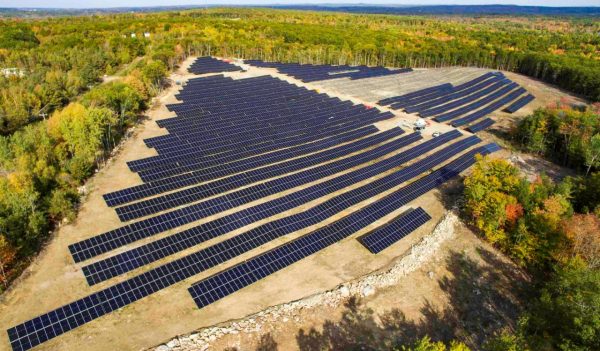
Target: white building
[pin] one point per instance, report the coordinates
(12, 72)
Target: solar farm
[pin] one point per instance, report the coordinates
(258, 168)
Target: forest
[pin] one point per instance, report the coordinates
(71, 87)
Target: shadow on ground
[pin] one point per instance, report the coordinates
(483, 293)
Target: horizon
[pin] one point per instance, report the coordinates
(62, 4)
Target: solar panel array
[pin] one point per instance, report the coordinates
(465, 103)
(164, 247)
(273, 147)
(207, 64)
(61, 320)
(397, 229)
(237, 277)
(311, 73)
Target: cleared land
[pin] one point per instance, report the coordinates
(54, 280)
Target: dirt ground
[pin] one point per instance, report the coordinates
(53, 279)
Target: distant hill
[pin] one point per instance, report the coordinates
(452, 9)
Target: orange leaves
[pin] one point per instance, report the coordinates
(514, 212)
(583, 233)
(7, 257)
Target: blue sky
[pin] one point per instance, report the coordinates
(121, 3)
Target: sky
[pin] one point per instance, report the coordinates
(124, 3)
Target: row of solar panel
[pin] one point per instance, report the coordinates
(161, 248)
(477, 98)
(144, 228)
(418, 93)
(177, 150)
(209, 64)
(209, 143)
(496, 105)
(481, 125)
(327, 127)
(59, 321)
(458, 92)
(466, 103)
(514, 107)
(446, 92)
(248, 175)
(481, 102)
(188, 165)
(237, 277)
(243, 151)
(152, 188)
(254, 113)
(394, 231)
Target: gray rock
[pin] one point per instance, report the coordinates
(173, 343)
(368, 290)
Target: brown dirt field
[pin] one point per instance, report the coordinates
(53, 279)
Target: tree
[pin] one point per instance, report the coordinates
(119, 97)
(489, 202)
(155, 72)
(586, 192)
(7, 256)
(583, 232)
(566, 316)
(592, 155)
(425, 344)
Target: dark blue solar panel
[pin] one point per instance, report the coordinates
(209, 64)
(397, 229)
(483, 124)
(147, 227)
(515, 106)
(456, 93)
(227, 182)
(415, 94)
(488, 109)
(311, 73)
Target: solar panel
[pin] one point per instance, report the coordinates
(457, 93)
(311, 73)
(237, 277)
(209, 64)
(488, 109)
(515, 106)
(395, 230)
(421, 92)
(483, 124)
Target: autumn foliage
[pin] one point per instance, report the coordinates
(524, 219)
